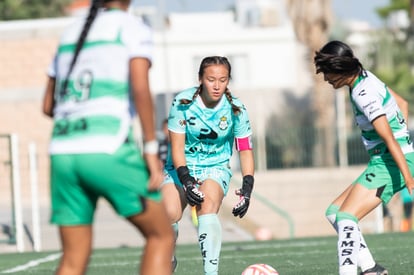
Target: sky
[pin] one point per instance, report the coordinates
(343, 9)
(359, 10)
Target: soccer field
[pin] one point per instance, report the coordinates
(309, 256)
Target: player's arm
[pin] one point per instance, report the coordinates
(142, 96)
(383, 129)
(243, 145)
(177, 149)
(402, 104)
(48, 98)
(139, 69)
(246, 162)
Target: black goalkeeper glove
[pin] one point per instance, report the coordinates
(193, 195)
(240, 209)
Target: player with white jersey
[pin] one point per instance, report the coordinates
(93, 114)
(204, 124)
(381, 114)
(368, 106)
(98, 77)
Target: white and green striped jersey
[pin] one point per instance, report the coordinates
(93, 115)
(370, 99)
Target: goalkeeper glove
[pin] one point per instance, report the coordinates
(193, 195)
(240, 209)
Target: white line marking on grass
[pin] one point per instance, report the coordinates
(262, 245)
(33, 263)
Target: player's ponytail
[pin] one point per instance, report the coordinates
(337, 57)
(93, 11)
(236, 109)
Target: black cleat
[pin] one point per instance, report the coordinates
(376, 270)
(174, 263)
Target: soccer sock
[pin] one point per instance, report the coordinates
(175, 229)
(330, 214)
(348, 243)
(209, 239)
(365, 259)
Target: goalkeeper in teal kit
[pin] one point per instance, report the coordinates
(205, 123)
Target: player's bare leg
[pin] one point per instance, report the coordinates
(174, 202)
(158, 250)
(77, 247)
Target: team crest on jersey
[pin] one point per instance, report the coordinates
(223, 124)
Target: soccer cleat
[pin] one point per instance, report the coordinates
(376, 270)
(174, 263)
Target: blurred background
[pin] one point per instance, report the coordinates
(307, 147)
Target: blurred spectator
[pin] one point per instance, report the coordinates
(164, 142)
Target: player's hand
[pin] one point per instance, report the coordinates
(240, 209)
(155, 171)
(193, 195)
(410, 185)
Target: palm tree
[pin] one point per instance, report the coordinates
(311, 21)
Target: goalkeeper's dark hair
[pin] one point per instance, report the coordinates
(93, 11)
(206, 62)
(337, 57)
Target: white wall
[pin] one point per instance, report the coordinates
(262, 58)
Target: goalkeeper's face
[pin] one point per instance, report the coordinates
(214, 83)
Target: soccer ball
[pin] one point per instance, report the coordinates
(260, 269)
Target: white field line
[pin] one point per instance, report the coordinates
(33, 263)
(264, 244)
(225, 247)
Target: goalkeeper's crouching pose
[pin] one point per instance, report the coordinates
(204, 123)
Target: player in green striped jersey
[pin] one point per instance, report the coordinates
(100, 74)
(381, 114)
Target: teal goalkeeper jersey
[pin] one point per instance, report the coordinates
(209, 132)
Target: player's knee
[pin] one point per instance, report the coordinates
(174, 213)
(331, 212)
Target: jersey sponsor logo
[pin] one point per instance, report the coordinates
(223, 124)
(201, 240)
(224, 183)
(207, 134)
(369, 176)
(374, 111)
(182, 122)
(400, 118)
(362, 93)
(369, 104)
(65, 127)
(347, 245)
(190, 121)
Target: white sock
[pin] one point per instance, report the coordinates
(348, 243)
(365, 259)
(209, 239)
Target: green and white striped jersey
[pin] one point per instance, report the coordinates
(93, 115)
(370, 99)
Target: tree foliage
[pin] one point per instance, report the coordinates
(394, 5)
(394, 61)
(30, 9)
